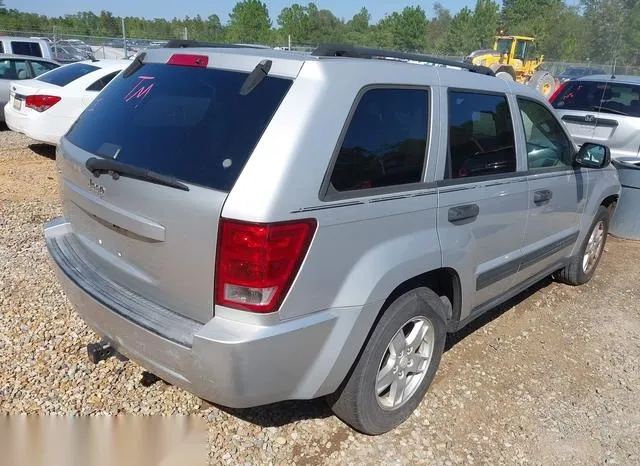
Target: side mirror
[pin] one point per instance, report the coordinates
(593, 155)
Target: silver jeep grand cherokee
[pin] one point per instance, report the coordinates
(256, 225)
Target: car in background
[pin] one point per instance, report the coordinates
(45, 108)
(77, 44)
(602, 109)
(70, 54)
(26, 46)
(20, 67)
(577, 72)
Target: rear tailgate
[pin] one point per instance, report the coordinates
(183, 122)
(606, 111)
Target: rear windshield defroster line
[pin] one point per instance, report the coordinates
(188, 123)
(67, 74)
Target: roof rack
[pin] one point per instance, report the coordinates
(182, 43)
(343, 50)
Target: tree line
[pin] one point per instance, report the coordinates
(594, 30)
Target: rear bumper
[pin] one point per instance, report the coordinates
(235, 364)
(46, 131)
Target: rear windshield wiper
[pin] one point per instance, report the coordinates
(97, 166)
(609, 110)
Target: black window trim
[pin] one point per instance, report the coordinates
(328, 193)
(567, 168)
(441, 179)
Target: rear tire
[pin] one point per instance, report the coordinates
(583, 265)
(396, 366)
(504, 75)
(544, 83)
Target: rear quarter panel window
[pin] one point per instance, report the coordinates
(386, 141)
(188, 123)
(32, 49)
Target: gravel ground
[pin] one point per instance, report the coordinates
(550, 378)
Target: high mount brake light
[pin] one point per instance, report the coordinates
(40, 103)
(256, 263)
(185, 59)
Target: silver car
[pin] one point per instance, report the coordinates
(257, 225)
(603, 109)
(19, 67)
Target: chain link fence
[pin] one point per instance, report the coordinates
(68, 48)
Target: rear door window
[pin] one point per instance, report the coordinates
(593, 96)
(481, 140)
(188, 123)
(32, 49)
(386, 142)
(41, 67)
(67, 74)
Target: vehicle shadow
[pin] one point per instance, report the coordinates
(287, 412)
(44, 150)
(283, 413)
(456, 337)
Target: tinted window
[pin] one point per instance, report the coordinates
(547, 144)
(13, 69)
(481, 140)
(26, 48)
(184, 122)
(386, 141)
(102, 82)
(1, 48)
(40, 67)
(615, 98)
(67, 74)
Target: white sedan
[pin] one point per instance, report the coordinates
(44, 108)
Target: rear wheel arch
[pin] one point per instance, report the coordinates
(445, 282)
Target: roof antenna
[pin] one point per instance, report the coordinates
(613, 72)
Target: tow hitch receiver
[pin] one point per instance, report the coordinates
(100, 351)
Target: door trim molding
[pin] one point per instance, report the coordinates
(502, 271)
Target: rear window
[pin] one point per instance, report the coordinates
(593, 96)
(67, 74)
(32, 49)
(188, 123)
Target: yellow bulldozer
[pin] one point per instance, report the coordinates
(514, 58)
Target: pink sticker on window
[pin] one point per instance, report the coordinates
(141, 89)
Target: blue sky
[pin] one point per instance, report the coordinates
(170, 9)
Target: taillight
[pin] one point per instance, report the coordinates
(256, 263)
(40, 103)
(184, 59)
(558, 91)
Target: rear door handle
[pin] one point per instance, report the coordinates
(463, 212)
(542, 197)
